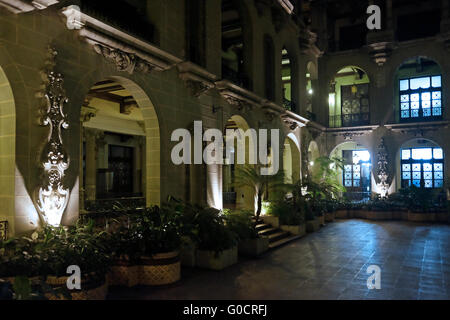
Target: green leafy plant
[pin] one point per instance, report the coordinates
(240, 222)
(250, 176)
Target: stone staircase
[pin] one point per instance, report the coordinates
(277, 237)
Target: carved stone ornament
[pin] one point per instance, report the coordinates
(51, 197)
(197, 88)
(382, 169)
(124, 61)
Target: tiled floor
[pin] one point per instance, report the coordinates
(329, 264)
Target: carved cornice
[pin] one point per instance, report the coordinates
(307, 42)
(21, 6)
(197, 79)
(418, 129)
(127, 52)
(87, 113)
(348, 133)
(380, 44)
(237, 96)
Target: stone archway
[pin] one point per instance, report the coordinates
(143, 124)
(291, 159)
(7, 152)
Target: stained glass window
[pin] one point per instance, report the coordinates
(421, 98)
(422, 167)
(356, 177)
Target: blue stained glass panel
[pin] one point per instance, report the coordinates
(437, 111)
(348, 176)
(416, 183)
(428, 183)
(356, 175)
(426, 96)
(406, 154)
(438, 183)
(404, 97)
(426, 103)
(415, 105)
(348, 183)
(414, 113)
(427, 167)
(415, 97)
(417, 83)
(406, 167)
(406, 175)
(416, 167)
(422, 154)
(404, 85)
(405, 114)
(437, 103)
(428, 175)
(438, 154)
(438, 175)
(405, 106)
(436, 81)
(436, 95)
(348, 167)
(438, 167)
(356, 168)
(416, 174)
(356, 183)
(426, 112)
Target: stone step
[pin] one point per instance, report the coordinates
(268, 231)
(278, 236)
(263, 226)
(283, 241)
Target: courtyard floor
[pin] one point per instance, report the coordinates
(329, 264)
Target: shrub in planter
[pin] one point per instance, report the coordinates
(217, 244)
(250, 243)
(159, 233)
(80, 246)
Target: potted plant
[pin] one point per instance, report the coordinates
(159, 231)
(250, 243)
(217, 244)
(82, 246)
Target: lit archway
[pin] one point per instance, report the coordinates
(348, 98)
(356, 175)
(8, 154)
(121, 145)
(291, 159)
(237, 197)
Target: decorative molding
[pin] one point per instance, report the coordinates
(124, 61)
(21, 6)
(348, 133)
(126, 51)
(51, 197)
(197, 79)
(4, 230)
(236, 96)
(307, 43)
(418, 129)
(381, 45)
(87, 113)
(382, 172)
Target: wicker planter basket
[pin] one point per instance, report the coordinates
(90, 289)
(160, 269)
(123, 273)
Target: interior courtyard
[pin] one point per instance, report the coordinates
(93, 95)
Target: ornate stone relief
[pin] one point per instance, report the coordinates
(198, 88)
(87, 113)
(124, 61)
(51, 197)
(20, 6)
(382, 173)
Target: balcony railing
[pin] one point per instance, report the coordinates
(349, 120)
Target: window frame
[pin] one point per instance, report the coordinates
(420, 91)
(412, 161)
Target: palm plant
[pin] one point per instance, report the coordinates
(250, 176)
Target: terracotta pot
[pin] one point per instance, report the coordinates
(160, 269)
(95, 288)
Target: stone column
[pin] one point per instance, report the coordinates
(87, 113)
(91, 163)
